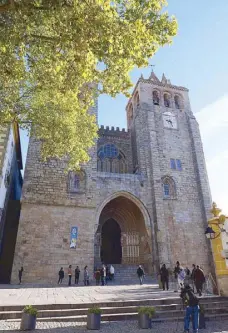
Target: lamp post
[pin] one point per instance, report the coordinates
(218, 237)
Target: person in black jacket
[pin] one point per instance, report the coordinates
(77, 274)
(20, 274)
(141, 274)
(164, 277)
(61, 275)
(192, 308)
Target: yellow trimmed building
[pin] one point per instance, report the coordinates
(218, 233)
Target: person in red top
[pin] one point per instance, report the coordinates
(199, 280)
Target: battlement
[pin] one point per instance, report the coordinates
(112, 131)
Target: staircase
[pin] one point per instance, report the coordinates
(126, 274)
(167, 309)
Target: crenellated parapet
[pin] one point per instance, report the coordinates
(113, 132)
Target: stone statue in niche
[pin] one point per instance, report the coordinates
(77, 181)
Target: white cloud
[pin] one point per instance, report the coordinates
(213, 121)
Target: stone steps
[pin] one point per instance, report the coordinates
(167, 309)
(128, 274)
(161, 311)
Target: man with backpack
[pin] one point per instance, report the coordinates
(192, 308)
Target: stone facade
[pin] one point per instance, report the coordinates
(150, 179)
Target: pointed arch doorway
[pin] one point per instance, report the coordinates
(123, 232)
(111, 250)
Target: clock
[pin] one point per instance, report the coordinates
(169, 120)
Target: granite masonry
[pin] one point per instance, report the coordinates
(144, 196)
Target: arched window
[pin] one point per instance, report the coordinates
(136, 99)
(177, 102)
(168, 188)
(155, 97)
(167, 100)
(111, 159)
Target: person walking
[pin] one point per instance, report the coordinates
(112, 273)
(103, 275)
(86, 276)
(176, 272)
(187, 279)
(164, 277)
(77, 274)
(97, 276)
(181, 277)
(61, 276)
(141, 274)
(69, 275)
(199, 280)
(192, 309)
(20, 272)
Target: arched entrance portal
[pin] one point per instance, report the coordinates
(122, 235)
(111, 251)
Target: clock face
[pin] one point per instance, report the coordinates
(169, 120)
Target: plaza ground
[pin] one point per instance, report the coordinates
(15, 295)
(32, 294)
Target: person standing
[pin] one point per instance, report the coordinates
(69, 275)
(192, 309)
(77, 274)
(181, 277)
(20, 272)
(97, 276)
(199, 280)
(193, 276)
(112, 272)
(164, 277)
(86, 276)
(141, 274)
(103, 275)
(61, 276)
(176, 272)
(107, 274)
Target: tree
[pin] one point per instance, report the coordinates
(52, 50)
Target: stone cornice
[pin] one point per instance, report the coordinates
(160, 84)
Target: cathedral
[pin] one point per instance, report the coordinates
(143, 198)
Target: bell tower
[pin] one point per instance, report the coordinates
(168, 153)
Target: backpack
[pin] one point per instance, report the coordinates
(190, 298)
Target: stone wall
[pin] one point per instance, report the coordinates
(43, 244)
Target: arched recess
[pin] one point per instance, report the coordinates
(135, 225)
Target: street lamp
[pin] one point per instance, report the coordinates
(210, 233)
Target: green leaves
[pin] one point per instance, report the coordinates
(51, 50)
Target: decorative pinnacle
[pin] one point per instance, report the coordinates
(215, 210)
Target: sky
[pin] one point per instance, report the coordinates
(197, 59)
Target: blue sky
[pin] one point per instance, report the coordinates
(198, 60)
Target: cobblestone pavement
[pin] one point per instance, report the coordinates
(114, 327)
(24, 295)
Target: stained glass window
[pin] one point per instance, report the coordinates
(178, 164)
(166, 190)
(172, 163)
(169, 188)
